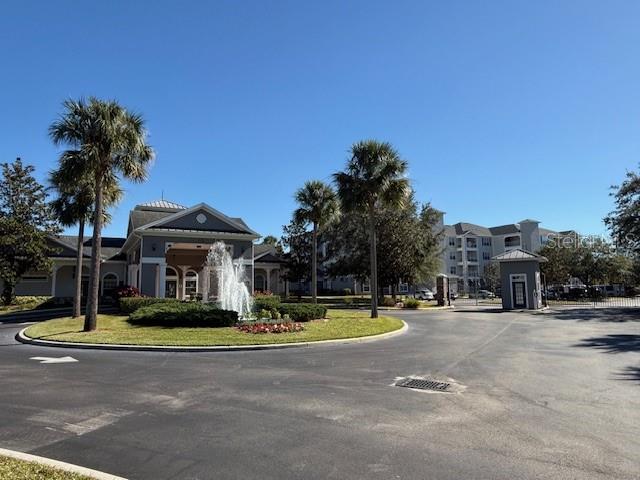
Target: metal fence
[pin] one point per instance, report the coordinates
(595, 301)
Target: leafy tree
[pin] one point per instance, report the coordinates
(274, 242)
(26, 221)
(559, 266)
(593, 261)
(317, 205)
(297, 241)
(408, 245)
(74, 205)
(491, 276)
(372, 180)
(105, 141)
(624, 220)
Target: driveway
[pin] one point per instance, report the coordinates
(553, 395)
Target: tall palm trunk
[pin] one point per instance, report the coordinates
(91, 316)
(77, 299)
(314, 264)
(373, 287)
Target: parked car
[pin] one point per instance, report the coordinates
(453, 295)
(425, 294)
(484, 294)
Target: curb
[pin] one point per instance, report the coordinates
(67, 467)
(21, 337)
(422, 310)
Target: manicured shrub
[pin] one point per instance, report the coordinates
(388, 302)
(131, 304)
(266, 302)
(179, 314)
(346, 291)
(412, 303)
(262, 314)
(303, 312)
(262, 327)
(29, 299)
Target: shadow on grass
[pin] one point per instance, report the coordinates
(40, 337)
(605, 315)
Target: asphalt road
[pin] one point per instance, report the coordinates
(553, 395)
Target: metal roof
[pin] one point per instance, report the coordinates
(519, 255)
(163, 204)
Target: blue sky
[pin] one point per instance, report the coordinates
(504, 109)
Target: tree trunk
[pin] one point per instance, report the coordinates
(393, 292)
(77, 299)
(314, 264)
(373, 280)
(91, 316)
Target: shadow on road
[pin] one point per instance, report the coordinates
(614, 315)
(614, 343)
(631, 374)
(617, 343)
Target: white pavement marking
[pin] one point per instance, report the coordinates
(54, 359)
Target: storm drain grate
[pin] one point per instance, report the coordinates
(423, 384)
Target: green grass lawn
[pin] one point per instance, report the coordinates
(116, 329)
(13, 469)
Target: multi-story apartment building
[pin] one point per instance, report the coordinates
(467, 248)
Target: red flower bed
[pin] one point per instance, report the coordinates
(127, 291)
(287, 327)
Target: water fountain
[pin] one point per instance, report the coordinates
(225, 281)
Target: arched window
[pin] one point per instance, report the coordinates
(109, 284)
(190, 283)
(171, 283)
(171, 272)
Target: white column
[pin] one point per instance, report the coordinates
(54, 271)
(183, 271)
(203, 283)
(268, 280)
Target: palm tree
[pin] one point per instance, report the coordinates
(74, 205)
(374, 178)
(317, 205)
(105, 141)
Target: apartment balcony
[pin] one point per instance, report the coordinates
(467, 262)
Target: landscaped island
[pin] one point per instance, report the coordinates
(11, 468)
(117, 329)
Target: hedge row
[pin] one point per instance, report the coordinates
(131, 304)
(176, 314)
(29, 299)
(303, 312)
(266, 302)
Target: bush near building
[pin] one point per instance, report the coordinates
(303, 312)
(270, 303)
(131, 304)
(411, 303)
(178, 314)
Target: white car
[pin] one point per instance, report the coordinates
(425, 294)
